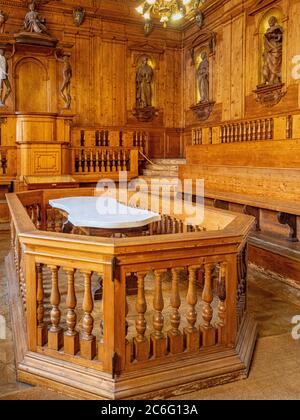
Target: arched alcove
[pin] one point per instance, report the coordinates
(151, 63)
(31, 86)
(263, 27)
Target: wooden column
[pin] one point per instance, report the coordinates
(87, 339)
(55, 334)
(41, 327)
(141, 344)
(158, 339)
(175, 338)
(208, 331)
(192, 334)
(71, 339)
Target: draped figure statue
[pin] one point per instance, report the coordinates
(272, 66)
(33, 22)
(144, 78)
(203, 78)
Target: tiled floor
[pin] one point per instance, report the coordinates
(272, 303)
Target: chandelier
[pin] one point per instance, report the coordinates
(170, 10)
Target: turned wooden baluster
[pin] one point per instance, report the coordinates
(71, 338)
(174, 335)
(270, 124)
(41, 327)
(158, 341)
(221, 290)
(191, 299)
(208, 332)
(55, 334)
(97, 163)
(87, 341)
(1, 165)
(192, 334)
(84, 167)
(102, 164)
(39, 217)
(141, 344)
(119, 167)
(259, 130)
(108, 161)
(124, 161)
(114, 162)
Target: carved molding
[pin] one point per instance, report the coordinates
(145, 114)
(269, 95)
(261, 5)
(206, 39)
(203, 110)
(145, 47)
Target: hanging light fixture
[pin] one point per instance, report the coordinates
(169, 10)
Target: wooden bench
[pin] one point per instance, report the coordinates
(261, 179)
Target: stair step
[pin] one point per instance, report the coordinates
(169, 161)
(160, 174)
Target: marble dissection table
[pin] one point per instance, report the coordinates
(103, 216)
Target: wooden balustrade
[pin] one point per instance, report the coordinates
(260, 129)
(107, 137)
(171, 317)
(89, 162)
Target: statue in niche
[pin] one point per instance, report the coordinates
(4, 80)
(3, 19)
(33, 22)
(65, 89)
(273, 39)
(203, 78)
(144, 79)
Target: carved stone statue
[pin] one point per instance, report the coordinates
(272, 66)
(144, 78)
(203, 78)
(65, 89)
(33, 22)
(4, 79)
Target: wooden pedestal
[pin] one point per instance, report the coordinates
(141, 350)
(88, 348)
(158, 346)
(175, 343)
(71, 344)
(192, 340)
(55, 339)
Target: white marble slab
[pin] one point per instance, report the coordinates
(105, 213)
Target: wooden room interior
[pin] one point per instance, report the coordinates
(163, 92)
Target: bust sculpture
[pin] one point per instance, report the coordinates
(273, 39)
(33, 22)
(144, 78)
(203, 78)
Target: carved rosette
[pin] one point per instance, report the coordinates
(269, 95)
(203, 110)
(145, 114)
